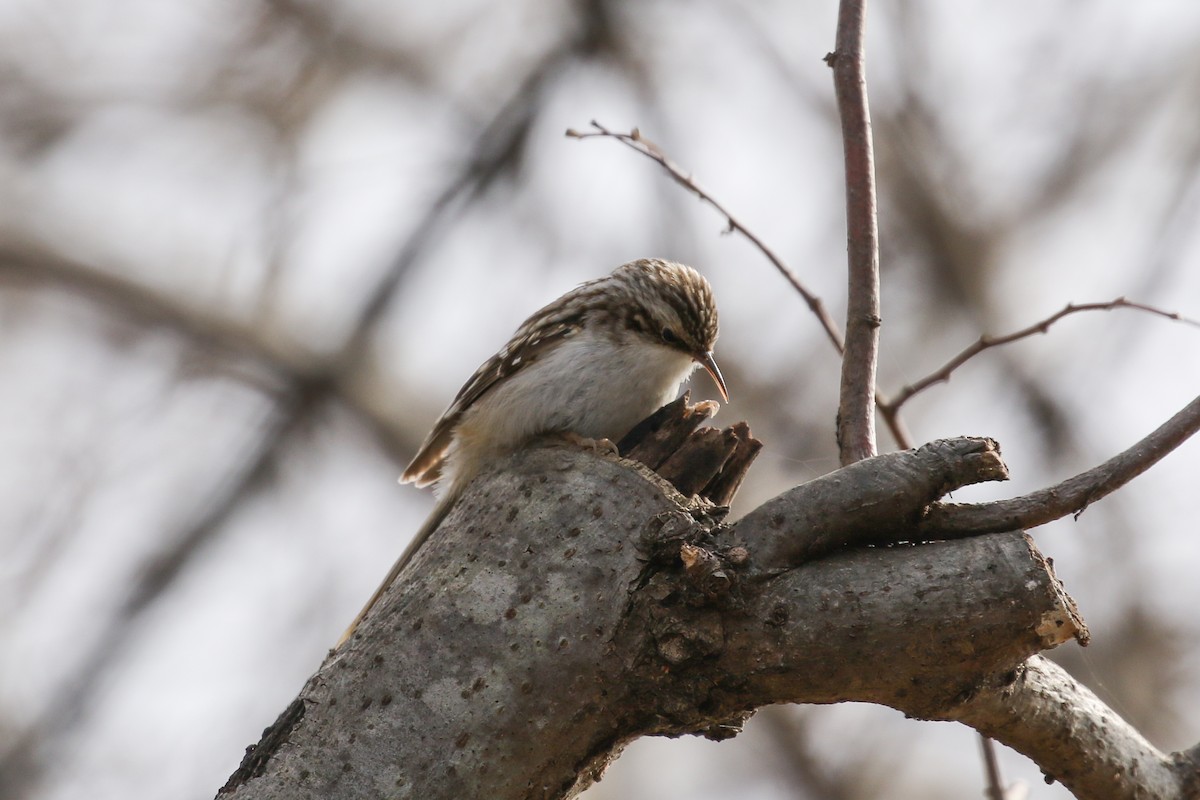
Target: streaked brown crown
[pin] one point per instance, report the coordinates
(665, 301)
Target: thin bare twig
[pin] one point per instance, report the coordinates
(856, 415)
(858, 396)
(991, 767)
(641, 144)
(1072, 496)
(986, 342)
(635, 141)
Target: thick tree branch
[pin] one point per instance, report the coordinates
(1072, 496)
(572, 602)
(1040, 709)
(890, 492)
(856, 412)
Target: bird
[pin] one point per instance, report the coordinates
(588, 366)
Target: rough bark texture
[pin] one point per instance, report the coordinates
(1079, 741)
(572, 602)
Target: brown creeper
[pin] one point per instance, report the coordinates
(593, 363)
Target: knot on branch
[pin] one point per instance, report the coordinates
(675, 622)
(695, 549)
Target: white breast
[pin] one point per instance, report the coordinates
(588, 385)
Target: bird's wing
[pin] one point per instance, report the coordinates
(529, 343)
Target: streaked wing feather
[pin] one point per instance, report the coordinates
(530, 342)
(426, 465)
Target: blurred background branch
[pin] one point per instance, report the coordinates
(248, 251)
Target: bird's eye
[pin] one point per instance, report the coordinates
(670, 337)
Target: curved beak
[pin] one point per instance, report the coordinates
(709, 363)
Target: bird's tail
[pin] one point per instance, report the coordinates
(428, 527)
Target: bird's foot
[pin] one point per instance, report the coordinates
(595, 445)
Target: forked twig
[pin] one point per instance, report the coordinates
(987, 342)
(889, 408)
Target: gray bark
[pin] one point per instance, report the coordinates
(572, 602)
